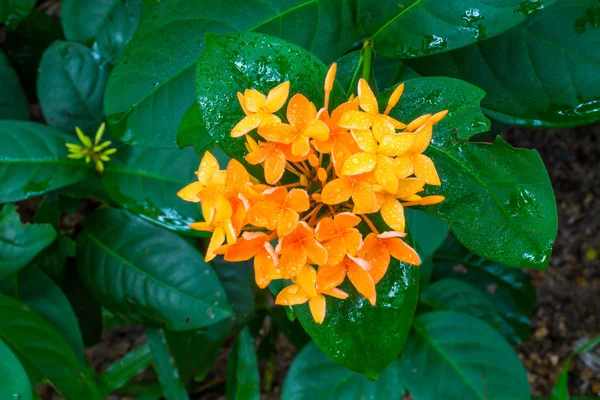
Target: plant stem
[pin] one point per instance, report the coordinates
(367, 53)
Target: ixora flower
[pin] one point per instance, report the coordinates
(342, 167)
(91, 151)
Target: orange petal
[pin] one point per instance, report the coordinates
(291, 296)
(392, 213)
(202, 226)
(360, 278)
(223, 208)
(364, 199)
(316, 129)
(385, 175)
(316, 252)
(286, 222)
(207, 168)
(336, 250)
(394, 98)
(317, 308)
(365, 140)
(330, 276)
(277, 195)
(337, 293)
(346, 220)
(425, 170)
(300, 111)
(352, 240)
(367, 99)
(236, 174)
(422, 139)
(337, 191)
(263, 215)
(377, 254)
(301, 146)
(190, 192)
(216, 241)
(430, 200)
(417, 123)
(230, 232)
(269, 119)
(247, 124)
(297, 199)
(277, 97)
(293, 258)
(264, 266)
(401, 251)
(242, 101)
(307, 279)
(396, 144)
(409, 186)
(382, 128)
(326, 229)
(280, 133)
(244, 249)
(341, 110)
(254, 100)
(359, 163)
(437, 117)
(274, 166)
(403, 166)
(354, 119)
(397, 124)
(259, 155)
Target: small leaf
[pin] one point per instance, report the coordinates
(20, 243)
(173, 388)
(147, 273)
(34, 161)
(14, 383)
(560, 391)
(314, 376)
(13, 101)
(125, 369)
(452, 355)
(70, 87)
(243, 381)
(192, 130)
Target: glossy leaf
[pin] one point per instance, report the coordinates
(416, 28)
(535, 75)
(146, 183)
(195, 351)
(125, 369)
(428, 232)
(390, 71)
(219, 78)
(314, 376)
(508, 289)
(14, 382)
(151, 87)
(33, 161)
(43, 351)
(173, 388)
(362, 337)
(70, 87)
(452, 355)
(148, 274)
(108, 23)
(41, 294)
(13, 101)
(12, 12)
(243, 381)
(20, 243)
(192, 130)
(452, 294)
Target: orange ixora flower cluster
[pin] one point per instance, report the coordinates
(345, 165)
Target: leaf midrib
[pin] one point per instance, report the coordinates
(145, 174)
(401, 13)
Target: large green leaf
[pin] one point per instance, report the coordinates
(14, 382)
(151, 86)
(147, 181)
(428, 232)
(507, 288)
(192, 130)
(450, 355)
(33, 161)
(415, 28)
(13, 101)
(164, 365)
(511, 185)
(20, 243)
(108, 23)
(44, 352)
(39, 292)
(362, 337)
(266, 62)
(12, 12)
(147, 273)
(535, 74)
(242, 369)
(314, 376)
(70, 87)
(124, 370)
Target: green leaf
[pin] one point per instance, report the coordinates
(12, 12)
(108, 23)
(314, 376)
(456, 295)
(362, 337)
(507, 288)
(40, 293)
(125, 369)
(267, 62)
(44, 352)
(20, 243)
(14, 382)
(147, 273)
(151, 87)
(416, 28)
(243, 381)
(535, 75)
(173, 388)
(192, 130)
(452, 355)
(428, 232)
(349, 69)
(70, 87)
(560, 391)
(389, 71)
(34, 161)
(195, 351)
(147, 181)
(13, 101)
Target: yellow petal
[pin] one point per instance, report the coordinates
(287, 221)
(365, 140)
(403, 166)
(247, 124)
(430, 200)
(316, 129)
(417, 123)
(394, 98)
(364, 199)
(216, 241)
(392, 213)
(401, 251)
(300, 111)
(360, 279)
(382, 128)
(277, 97)
(337, 293)
(424, 169)
(190, 192)
(207, 168)
(367, 99)
(307, 279)
(330, 276)
(301, 146)
(396, 144)
(354, 119)
(274, 167)
(422, 139)
(359, 163)
(297, 199)
(385, 175)
(337, 191)
(291, 296)
(242, 101)
(254, 100)
(437, 117)
(409, 186)
(280, 133)
(317, 308)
